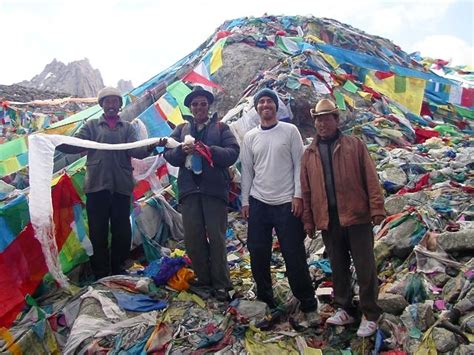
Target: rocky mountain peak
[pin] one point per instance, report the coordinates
(77, 78)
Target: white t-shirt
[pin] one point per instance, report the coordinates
(271, 161)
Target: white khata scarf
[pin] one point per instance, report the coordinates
(40, 154)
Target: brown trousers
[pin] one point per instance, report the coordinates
(357, 241)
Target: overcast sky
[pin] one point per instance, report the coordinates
(137, 39)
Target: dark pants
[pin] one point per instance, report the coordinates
(262, 219)
(103, 209)
(356, 241)
(205, 225)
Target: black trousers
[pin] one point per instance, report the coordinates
(106, 209)
(262, 219)
(205, 224)
(356, 241)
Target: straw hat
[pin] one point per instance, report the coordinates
(324, 107)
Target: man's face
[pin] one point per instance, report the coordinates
(111, 106)
(266, 108)
(200, 109)
(326, 125)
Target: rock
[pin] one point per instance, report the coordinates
(397, 203)
(464, 350)
(392, 329)
(453, 287)
(439, 279)
(392, 303)
(398, 238)
(467, 322)
(76, 78)
(422, 318)
(444, 339)
(124, 86)
(395, 175)
(18, 93)
(456, 241)
(411, 345)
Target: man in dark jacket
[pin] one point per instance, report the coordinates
(109, 184)
(342, 197)
(208, 149)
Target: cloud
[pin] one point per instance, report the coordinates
(137, 40)
(446, 47)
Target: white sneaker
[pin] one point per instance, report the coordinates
(366, 328)
(340, 318)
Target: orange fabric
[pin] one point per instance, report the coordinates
(179, 281)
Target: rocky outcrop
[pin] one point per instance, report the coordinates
(77, 78)
(18, 93)
(124, 86)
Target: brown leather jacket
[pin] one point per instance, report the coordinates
(358, 191)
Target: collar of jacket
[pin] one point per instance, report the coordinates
(102, 120)
(314, 144)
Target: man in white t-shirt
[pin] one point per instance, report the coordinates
(271, 199)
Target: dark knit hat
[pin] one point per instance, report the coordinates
(198, 91)
(265, 92)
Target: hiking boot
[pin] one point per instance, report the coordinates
(197, 283)
(313, 318)
(340, 318)
(366, 328)
(221, 295)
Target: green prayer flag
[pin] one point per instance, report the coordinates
(341, 104)
(13, 148)
(350, 86)
(179, 91)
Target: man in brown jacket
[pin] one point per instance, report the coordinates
(342, 197)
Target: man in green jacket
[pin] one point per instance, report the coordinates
(108, 184)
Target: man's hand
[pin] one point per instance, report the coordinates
(297, 207)
(245, 212)
(376, 220)
(161, 143)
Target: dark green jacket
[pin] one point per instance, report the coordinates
(108, 169)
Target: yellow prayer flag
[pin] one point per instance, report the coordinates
(216, 58)
(412, 98)
(365, 95)
(329, 58)
(175, 117)
(350, 101)
(314, 39)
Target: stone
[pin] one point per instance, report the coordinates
(395, 175)
(395, 204)
(444, 339)
(422, 318)
(398, 238)
(467, 322)
(392, 303)
(462, 240)
(453, 287)
(464, 350)
(439, 279)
